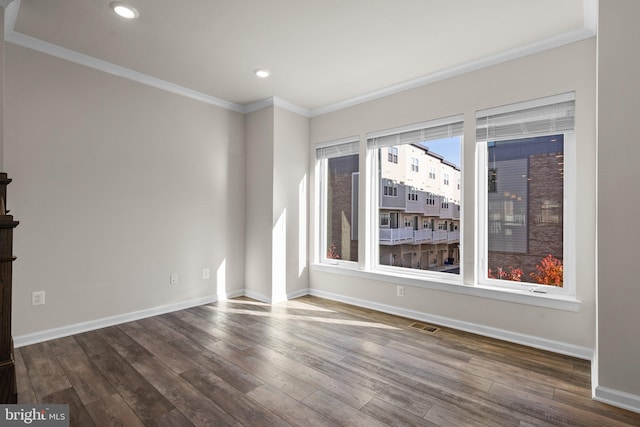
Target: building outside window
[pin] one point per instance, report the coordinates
(523, 152)
(339, 177)
(416, 245)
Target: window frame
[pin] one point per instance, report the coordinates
(465, 283)
(569, 204)
(321, 174)
(373, 165)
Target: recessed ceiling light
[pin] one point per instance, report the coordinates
(263, 74)
(124, 10)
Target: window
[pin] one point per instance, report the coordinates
(432, 172)
(384, 219)
(524, 209)
(393, 155)
(390, 188)
(412, 195)
(338, 173)
(430, 199)
(414, 247)
(523, 203)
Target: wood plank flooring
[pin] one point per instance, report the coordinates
(306, 362)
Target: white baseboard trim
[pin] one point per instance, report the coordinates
(92, 325)
(298, 294)
(65, 331)
(617, 398)
(528, 340)
(257, 296)
(536, 342)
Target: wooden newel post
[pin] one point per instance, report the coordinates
(8, 388)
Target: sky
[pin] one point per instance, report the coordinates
(449, 148)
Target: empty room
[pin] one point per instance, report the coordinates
(297, 213)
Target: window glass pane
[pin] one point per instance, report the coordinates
(342, 208)
(525, 209)
(423, 230)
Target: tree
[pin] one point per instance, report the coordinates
(332, 253)
(513, 274)
(550, 271)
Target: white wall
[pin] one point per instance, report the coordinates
(277, 153)
(291, 198)
(116, 186)
(568, 68)
(618, 370)
(259, 203)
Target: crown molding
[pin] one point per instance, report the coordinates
(590, 8)
(289, 106)
(107, 67)
(10, 15)
(258, 105)
(274, 101)
(537, 47)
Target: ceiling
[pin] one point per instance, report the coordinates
(323, 54)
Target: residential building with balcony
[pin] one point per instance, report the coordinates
(419, 209)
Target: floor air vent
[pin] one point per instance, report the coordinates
(423, 327)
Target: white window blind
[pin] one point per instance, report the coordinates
(447, 127)
(338, 148)
(547, 116)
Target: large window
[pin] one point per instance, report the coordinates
(413, 243)
(339, 176)
(524, 203)
(522, 150)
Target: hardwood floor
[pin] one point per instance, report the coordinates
(306, 362)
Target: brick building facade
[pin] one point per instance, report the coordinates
(525, 203)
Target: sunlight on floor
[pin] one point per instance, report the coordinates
(287, 304)
(285, 316)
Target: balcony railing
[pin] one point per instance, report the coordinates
(397, 236)
(440, 235)
(392, 236)
(422, 236)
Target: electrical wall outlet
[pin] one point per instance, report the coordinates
(206, 273)
(173, 279)
(37, 298)
(400, 291)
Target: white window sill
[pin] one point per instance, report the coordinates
(554, 301)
